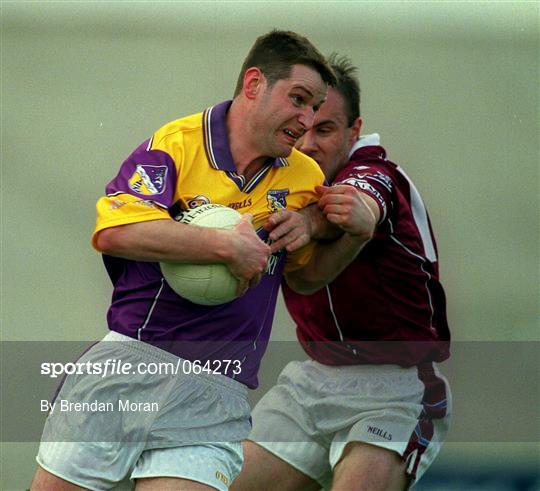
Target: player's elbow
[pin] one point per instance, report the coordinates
(109, 241)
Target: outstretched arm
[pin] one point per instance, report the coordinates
(356, 214)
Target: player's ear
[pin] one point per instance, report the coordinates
(253, 82)
(355, 133)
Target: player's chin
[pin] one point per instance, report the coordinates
(283, 150)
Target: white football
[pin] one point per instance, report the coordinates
(204, 284)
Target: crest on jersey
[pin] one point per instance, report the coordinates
(276, 199)
(148, 180)
(198, 200)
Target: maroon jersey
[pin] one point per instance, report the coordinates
(387, 306)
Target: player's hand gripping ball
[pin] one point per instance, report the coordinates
(204, 284)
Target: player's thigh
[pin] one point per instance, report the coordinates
(45, 481)
(365, 467)
(198, 467)
(283, 424)
(170, 484)
(264, 471)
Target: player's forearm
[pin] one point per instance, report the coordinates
(327, 262)
(164, 240)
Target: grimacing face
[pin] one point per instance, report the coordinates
(330, 139)
(285, 110)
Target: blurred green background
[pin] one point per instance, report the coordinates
(452, 87)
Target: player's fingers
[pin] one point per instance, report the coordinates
(247, 217)
(341, 189)
(334, 218)
(297, 243)
(321, 189)
(334, 199)
(282, 230)
(275, 219)
(333, 208)
(242, 287)
(284, 240)
(255, 280)
(278, 245)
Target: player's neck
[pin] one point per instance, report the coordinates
(245, 156)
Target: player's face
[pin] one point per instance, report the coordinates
(330, 139)
(286, 110)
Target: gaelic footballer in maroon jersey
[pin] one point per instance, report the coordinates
(369, 409)
(388, 305)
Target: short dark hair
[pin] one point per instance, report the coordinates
(276, 52)
(347, 85)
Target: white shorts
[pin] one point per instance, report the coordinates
(104, 428)
(314, 410)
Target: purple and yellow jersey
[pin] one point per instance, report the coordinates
(187, 163)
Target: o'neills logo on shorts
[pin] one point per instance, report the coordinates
(222, 477)
(378, 432)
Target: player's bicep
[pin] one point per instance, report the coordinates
(124, 209)
(147, 174)
(143, 190)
